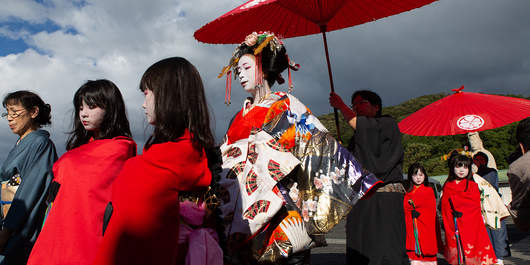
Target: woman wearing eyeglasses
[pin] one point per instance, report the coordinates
(29, 164)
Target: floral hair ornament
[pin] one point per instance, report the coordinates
(254, 44)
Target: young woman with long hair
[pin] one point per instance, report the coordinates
(99, 144)
(146, 220)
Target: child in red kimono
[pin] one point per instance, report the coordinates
(424, 240)
(466, 239)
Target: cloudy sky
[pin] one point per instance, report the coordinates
(53, 46)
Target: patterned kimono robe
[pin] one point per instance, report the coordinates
(33, 159)
(286, 181)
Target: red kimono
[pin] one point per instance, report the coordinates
(474, 239)
(144, 227)
(73, 230)
(428, 228)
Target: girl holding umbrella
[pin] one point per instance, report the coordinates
(285, 179)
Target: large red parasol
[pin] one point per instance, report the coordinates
(295, 18)
(464, 112)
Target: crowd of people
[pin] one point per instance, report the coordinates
(268, 193)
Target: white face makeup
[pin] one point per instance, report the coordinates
(247, 72)
(149, 106)
(418, 178)
(91, 116)
(461, 171)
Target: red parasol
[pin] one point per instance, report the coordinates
(295, 18)
(464, 112)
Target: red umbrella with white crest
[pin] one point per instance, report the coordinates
(464, 112)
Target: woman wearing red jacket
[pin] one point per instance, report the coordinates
(423, 230)
(98, 146)
(145, 223)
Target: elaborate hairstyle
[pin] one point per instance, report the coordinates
(522, 134)
(180, 102)
(106, 95)
(271, 58)
(371, 96)
(459, 160)
(483, 155)
(30, 100)
(415, 168)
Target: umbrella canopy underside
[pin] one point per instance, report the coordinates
(295, 18)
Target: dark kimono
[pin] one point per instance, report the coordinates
(33, 159)
(376, 226)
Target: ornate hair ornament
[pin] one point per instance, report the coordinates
(254, 44)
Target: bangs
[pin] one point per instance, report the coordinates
(462, 161)
(12, 101)
(91, 98)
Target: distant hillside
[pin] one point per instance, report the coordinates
(429, 150)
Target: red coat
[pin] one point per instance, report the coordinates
(473, 234)
(427, 223)
(73, 230)
(144, 227)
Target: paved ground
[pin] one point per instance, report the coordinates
(335, 252)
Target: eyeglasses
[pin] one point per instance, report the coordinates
(12, 115)
(353, 104)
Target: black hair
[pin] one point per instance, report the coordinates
(30, 100)
(463, 161)
(180, 102)
(273, 63)
(415, 168)
(106, 95)
(371, 96)
(483, 155)
(522, 134)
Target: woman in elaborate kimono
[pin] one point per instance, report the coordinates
(286, 181)
(146, 221)
(98, 146)
(28, 165)
(466, 239)
(424, 240)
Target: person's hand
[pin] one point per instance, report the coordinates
(336, 101)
